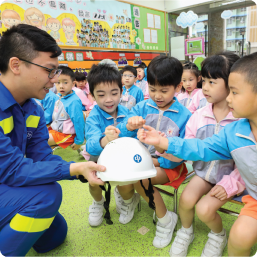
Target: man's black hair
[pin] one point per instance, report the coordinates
(129, 68)
(25, 42)
(218, 66)
(67, 71)
(103, 73)
(80, 76)
(247, 66)
(164, 71)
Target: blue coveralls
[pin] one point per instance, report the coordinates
(29, 195)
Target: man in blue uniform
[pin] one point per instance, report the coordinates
(29, 195)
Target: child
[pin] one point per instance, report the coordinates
(48, 105)
(81, 82)
(200, 149)
(68, 124)
(131, 94)
(191, 80)
(105, 85)
(167, 115)
(142, 80)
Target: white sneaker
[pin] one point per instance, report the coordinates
(96, 211)
(215, 245)
(181, 243)
(127, 209)
(118, 199)
(164, 234)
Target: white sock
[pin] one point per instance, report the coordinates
(189, 230)
(165, 220)
(222, 233)
(100, 202)
(128, 201)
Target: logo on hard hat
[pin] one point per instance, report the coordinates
(137, 158)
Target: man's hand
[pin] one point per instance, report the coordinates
(88, 171)
(75, 146)
(135, 123)
(111, 133)
(219, 192)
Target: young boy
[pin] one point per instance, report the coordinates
(131, 94)
(167, 115)
(142, 79)
(105, 86)
(68, 124)
(48, 105)
(238, 141)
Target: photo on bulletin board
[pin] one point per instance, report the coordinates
(150, 20)
(194, 46)
(157, 21)
(147, 35)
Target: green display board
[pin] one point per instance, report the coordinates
(150, 28)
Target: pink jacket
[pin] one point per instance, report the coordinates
(198, 101)
(83, 98)
(86, 89)
(233, 183)
(185, 99)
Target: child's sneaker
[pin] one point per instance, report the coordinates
(118, 199)
(164, 233)
(215, 245)
(127, 209)
(96, 211)
(181, 242)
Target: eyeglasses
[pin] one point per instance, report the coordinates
(52, 72)
(128, 76)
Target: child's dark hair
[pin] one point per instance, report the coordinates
(218, 66)
(193, 69)
(164, 71)
(67, 71)
(247, 66)
(142, 65)
(129, 68)
(103, 73)
(80, 76)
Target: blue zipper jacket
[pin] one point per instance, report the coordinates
(236, 141)
(23, 132)
(48, 105)
(132, 96)
(68, 109)
(171, 121)
(96, 123)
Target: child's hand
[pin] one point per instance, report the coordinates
(75, 147)
(149, 136)
(111, 133)
(219, 192)
(135, 123)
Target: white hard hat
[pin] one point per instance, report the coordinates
(127, 161)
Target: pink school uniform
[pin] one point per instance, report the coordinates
(185, 99)
(85, 101)
(198, 101)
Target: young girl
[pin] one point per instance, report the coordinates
(191, 83)
(209, 179)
